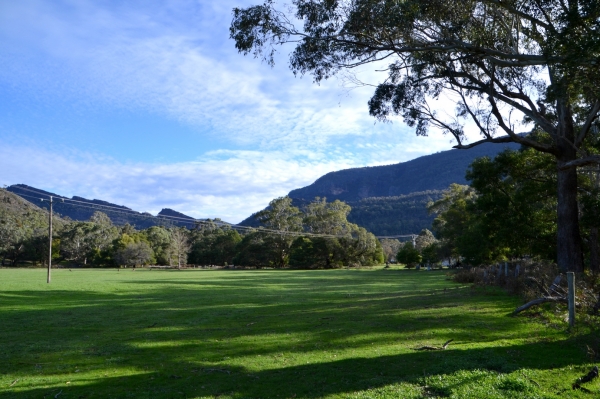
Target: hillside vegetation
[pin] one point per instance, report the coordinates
(82, 209)
(392, 199)
(403, 214)
(430, 172)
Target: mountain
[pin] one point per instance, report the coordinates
(174, 214)
(79, 208)
(392, 199)
(15, 204)
(430, 172)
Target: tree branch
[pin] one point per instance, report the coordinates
(507, 7)
(503, 139)
(589, 160)
(539, 301)
(588, 123)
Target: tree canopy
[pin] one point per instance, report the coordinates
(511, 66)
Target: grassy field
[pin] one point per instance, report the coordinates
(276, 334)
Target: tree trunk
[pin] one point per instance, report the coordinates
(594, 255)
(569, 254)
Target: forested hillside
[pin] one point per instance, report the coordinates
(403, 214)
(392, 199)
(430, 172)
(79, 208)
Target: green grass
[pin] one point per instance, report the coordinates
(276, 334)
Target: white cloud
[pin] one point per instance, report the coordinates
(226, 184)
(174, 59)
(181, 65)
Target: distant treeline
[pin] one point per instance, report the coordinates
(402, 214)
(317, 237)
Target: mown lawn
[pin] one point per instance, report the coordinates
(276, 334)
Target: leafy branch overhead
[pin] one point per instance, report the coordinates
(511, 67)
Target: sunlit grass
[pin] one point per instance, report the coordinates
(263, 334)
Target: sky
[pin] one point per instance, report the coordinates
(148, 104)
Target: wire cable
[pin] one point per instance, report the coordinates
(130, 212)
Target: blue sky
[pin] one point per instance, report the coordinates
(148, 104)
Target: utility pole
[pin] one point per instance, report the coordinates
(51, 202)
(49, 239)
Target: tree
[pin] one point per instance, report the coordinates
(91, 240)
(76, 241)
(313, 252)
(281, 216)
(134, 253)
(516, 202)
(424, 239)
(431, 253)
(509, 211)
(359, 247)
(159, 239)
(180, 245)
(513, 66)
(390, 248)
(214, 245)
(13, 232)
(409, 255)
(256, 250)
(322, 217)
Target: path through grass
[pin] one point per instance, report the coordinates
(274, 334)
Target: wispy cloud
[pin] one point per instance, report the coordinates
(174, 59)
(225, 184)
(128, 57)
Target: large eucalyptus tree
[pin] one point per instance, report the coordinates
(511, 65)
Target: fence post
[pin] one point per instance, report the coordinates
(505, 269)
(571, 296)
(517, 270)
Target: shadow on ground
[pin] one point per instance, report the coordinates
(242, 335)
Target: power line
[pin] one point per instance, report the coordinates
(191, 221)
(398, 236)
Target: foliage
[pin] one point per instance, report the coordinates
(97, 242)
(315, 252)
(134, 254)
(159, 240)
(213, 245)
(508, 212)
(280, 215)
(390, 248)
(322, 217)
(517, 201)
(536, 61)
(23, 230)
(409, 255)
(89, 241)
(424, 239)
(255, 250)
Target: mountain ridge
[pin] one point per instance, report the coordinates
(83, 209)
(392, 199)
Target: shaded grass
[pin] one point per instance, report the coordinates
(268, 334)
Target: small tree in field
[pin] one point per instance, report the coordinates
(409, 255)
(134, 254)
(180, 245)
